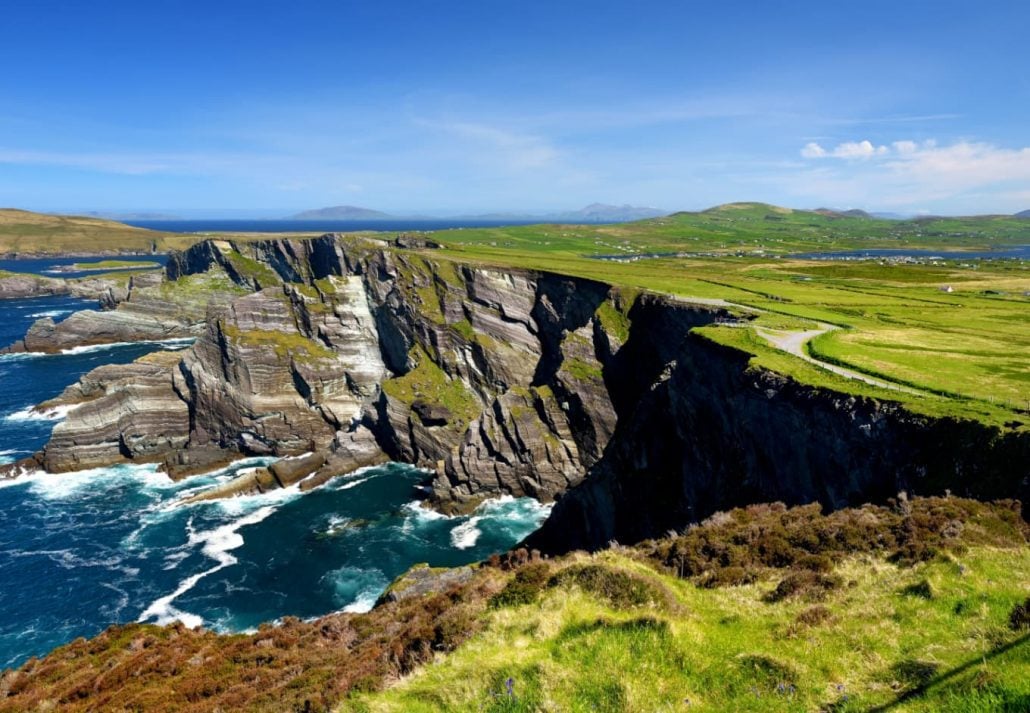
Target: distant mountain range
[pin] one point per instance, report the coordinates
(342, 212)
(1023, 214)
(593, 213)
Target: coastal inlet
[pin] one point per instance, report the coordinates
(80, 551)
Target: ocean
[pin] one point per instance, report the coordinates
(226, 225)
(81, 551)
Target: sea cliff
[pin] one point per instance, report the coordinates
(339, 352)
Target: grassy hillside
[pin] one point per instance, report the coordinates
(616, 631)
(38, 233)
(749, 227)
(919, 606)
(954, 333)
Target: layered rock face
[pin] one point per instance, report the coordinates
(119, 412)
(493, 380)
(18, 286)
(266, 379)
(499, 382)
(147, 309)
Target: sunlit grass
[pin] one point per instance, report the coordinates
(886, 631)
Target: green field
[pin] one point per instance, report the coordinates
(956, 334)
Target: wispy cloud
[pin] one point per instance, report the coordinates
(132, 164)
(511, 149)
(893, 119)
(107, 163)
(905, 172)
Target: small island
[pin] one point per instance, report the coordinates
(108, 265)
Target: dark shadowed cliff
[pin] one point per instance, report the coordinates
(498, 381)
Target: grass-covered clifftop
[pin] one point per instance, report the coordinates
(761, 609)
(953, 334)
(917, 606)
(28, 233)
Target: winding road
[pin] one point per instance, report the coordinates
(793, 342)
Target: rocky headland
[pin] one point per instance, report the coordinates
(337, 352)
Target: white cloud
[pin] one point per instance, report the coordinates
(813, 150)
(907, 173)
(847, 150)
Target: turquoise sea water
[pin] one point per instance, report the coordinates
(81, 551)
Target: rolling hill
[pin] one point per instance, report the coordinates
(26, 233)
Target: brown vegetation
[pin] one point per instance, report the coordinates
(296, 666)
(734, 547)
(311, 666)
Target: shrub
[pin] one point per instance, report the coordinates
(815, 563)
(727, 577)
(523, 587)
(1019, 619)
(921, 589)
(814, 615)
(620, 588)
(908, 531)
(811, 585)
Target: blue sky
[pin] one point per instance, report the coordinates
(454, 107)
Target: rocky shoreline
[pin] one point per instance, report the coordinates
(338, 352)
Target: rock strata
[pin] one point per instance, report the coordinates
(500, 382)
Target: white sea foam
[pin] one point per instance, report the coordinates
(29, 413)
(10, 455)
(64, 486)
(515, 516)
(216, 544)
(22, 356)
(367, 599)
(173, 344)
(243, 504)
(466, 534)
(336, 524)
(355, 483)
(361, 587)
(23, 477)
(416, 511)
(50, 313)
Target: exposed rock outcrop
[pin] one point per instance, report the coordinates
(500, 382)
(120, 412)
(16, 286)
(149, 308)
(21, 285)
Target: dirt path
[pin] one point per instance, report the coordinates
(793, 342)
